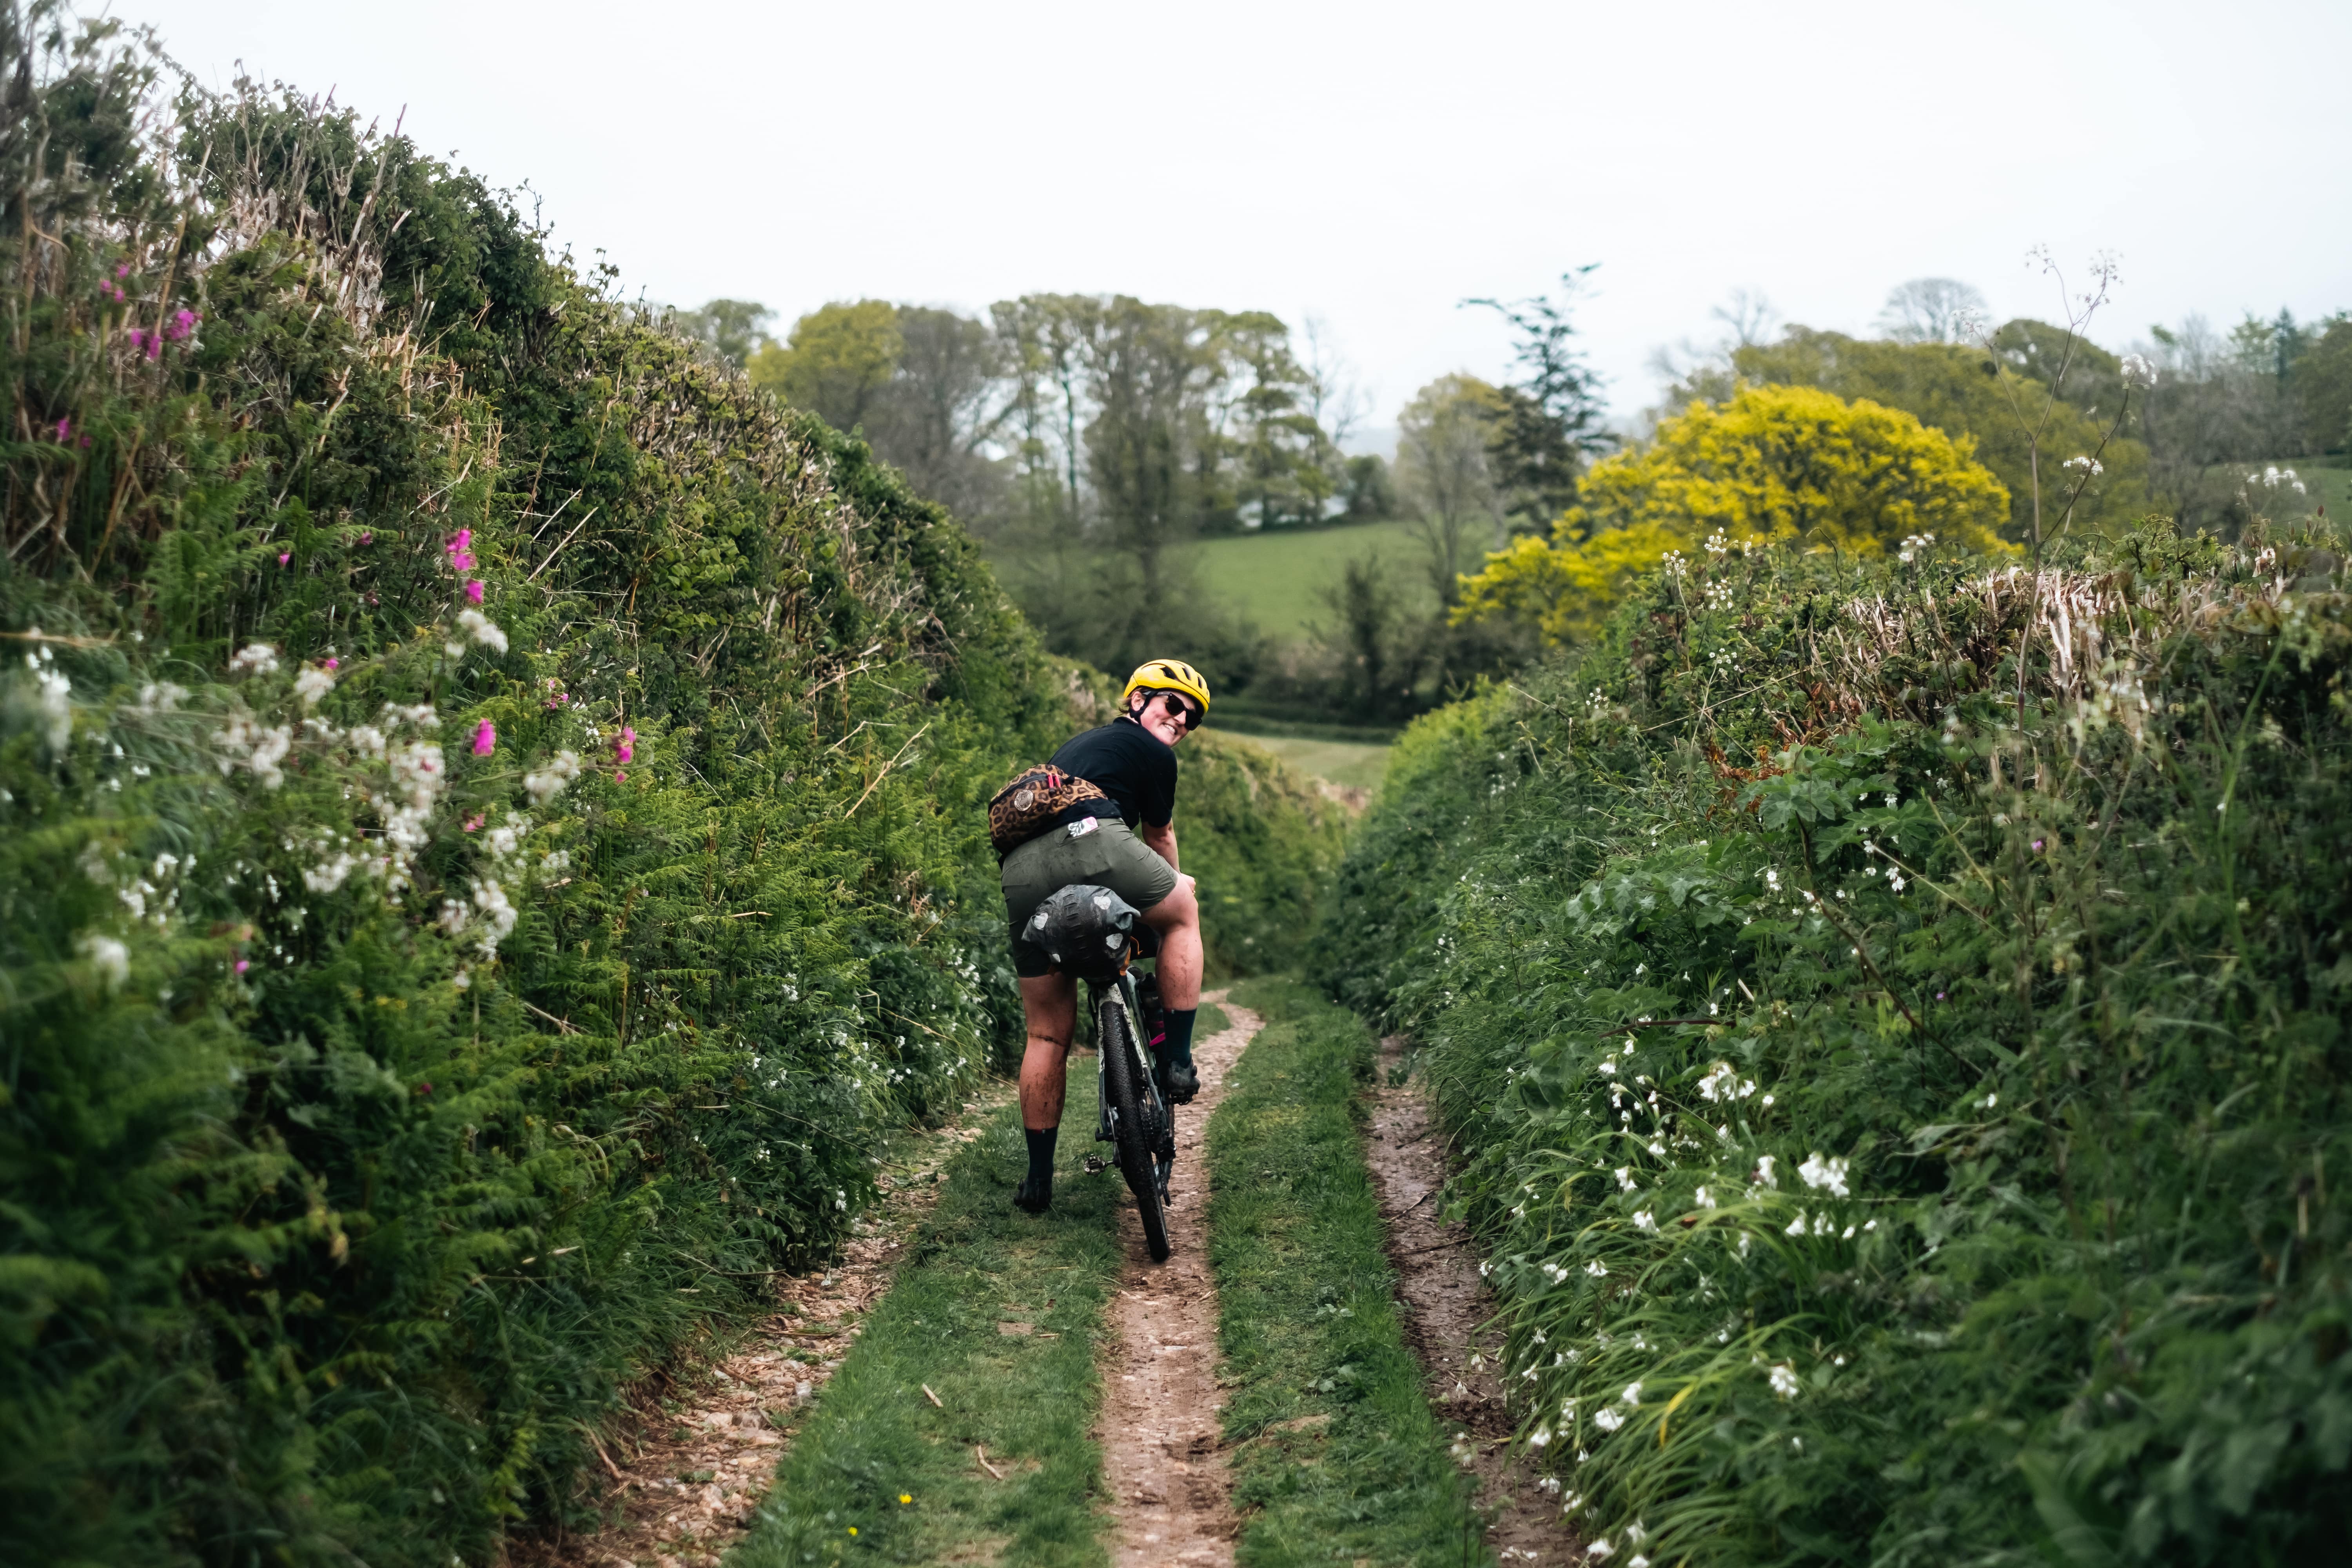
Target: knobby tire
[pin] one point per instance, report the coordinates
(1133, 1132)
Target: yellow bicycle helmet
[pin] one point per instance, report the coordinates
(1168, 674)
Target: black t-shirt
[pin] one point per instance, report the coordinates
(1131, 765)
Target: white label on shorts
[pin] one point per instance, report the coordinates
(1085, 826)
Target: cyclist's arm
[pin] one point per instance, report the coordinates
(1162, 840)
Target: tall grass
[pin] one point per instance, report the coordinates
(1895, 1015)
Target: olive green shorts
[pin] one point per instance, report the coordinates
(1109, 856)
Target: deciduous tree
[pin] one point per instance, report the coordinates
(1447, 475)
(1773, 466)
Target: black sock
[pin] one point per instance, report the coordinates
(1041, 1154)
(1180, 1035)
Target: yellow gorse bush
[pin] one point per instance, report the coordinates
(1771, 465)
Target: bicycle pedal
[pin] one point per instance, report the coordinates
(1096, 1164)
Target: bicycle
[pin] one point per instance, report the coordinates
(1096, 936)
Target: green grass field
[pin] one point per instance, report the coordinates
(1349, 763)
(1276, 579)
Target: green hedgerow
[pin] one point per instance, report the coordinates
(1895, 1015)
(490, 834)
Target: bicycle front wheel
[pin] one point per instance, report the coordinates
(1134, 1131)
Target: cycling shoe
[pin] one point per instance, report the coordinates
(1036, 1196)
(1183, 1083)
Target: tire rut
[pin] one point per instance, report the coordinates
(1448, 1309)
(700, 1449)
(1159, 1426)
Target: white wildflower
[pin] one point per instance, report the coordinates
(328, 874)
(312, 684)
(1796, 1226)
(159, 697)
(2087, 464)
(1819, 1172)
(1596, 1269)
(507, 837)
(1764, 1169)
(1706, 1199)
(56, 703)
(108, 956)
(254, 658)
(1784, 1380)
(545, 783)
(1539, 1438)
(2138, 372)
(1608, 1418)
(1632, 1395)
(1624, 1178)
(482, 630)
(1644, 1220)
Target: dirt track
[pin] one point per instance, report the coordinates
(1447, 1307)
(1160, 1425)
(727, 1422)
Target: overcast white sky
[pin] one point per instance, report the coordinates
(1373, 164)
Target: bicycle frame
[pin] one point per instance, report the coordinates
(1122, 992)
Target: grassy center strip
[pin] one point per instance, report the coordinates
(1334, 1452)
(996, 1314)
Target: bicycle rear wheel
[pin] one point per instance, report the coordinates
(1135, 1132)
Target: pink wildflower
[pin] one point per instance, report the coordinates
(475, 820)
(486, 739)
(461, 550)
(183, 323)
(285, 557)
(65, 429)
(473, 592)
(622, 776)
(244, 965)
(331, 663)
(123, 270)
(625, 750)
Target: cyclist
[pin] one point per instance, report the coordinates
(1126, 842)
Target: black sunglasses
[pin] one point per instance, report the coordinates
(1185, 706)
